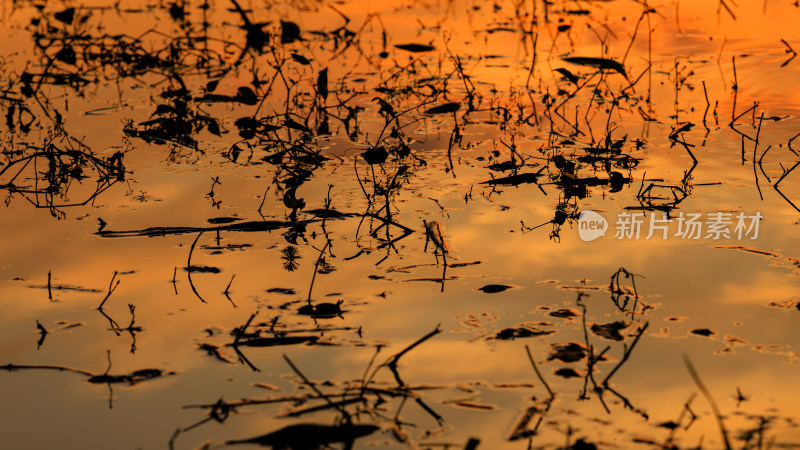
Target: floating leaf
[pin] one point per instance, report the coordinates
(443, 109)
(416, 48)
(290, 32)
(375, 155)
(213, 127)
(176, 11)
(247, 126)
(67, 55)
(703, 332)
(322, 310)
(494, 288)
(617, 181)
(568, 75)
(247, 96)
(564, 313)
(66, 16)
(329, 308)
(505, 165)
(569, 352)
(291, 201)
(300, 59)
(521, 332)
(670, 425)
(514, 180)
(567, 372)
(322, 83)
(610, 330)
(600, 63)
(202, 269)
(285, 291)
(385, 107)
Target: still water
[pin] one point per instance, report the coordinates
(357, 224)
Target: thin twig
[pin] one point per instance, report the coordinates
(239, 332)
(316, 267)
(313, 387)
(625, 356)
(538, 374)
(710, 399)
(111, 288)
(189, 267)
(755, 148)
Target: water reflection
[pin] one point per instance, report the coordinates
(261, 181)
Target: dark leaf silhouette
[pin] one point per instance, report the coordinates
(213, 127)
(570, 352)
(617, 181)
(247, 127)
(310, 436)
(416, 48)
(444, 108)
(247, 96)
(67, 55)
(376, 155)
(202, 269)
(568, 75)
(290, 32)
(66, 16)
(322, 310)
(285, 291)
(521, 332)
(494, 288)
(564, 313)
(301, 59)
(567, 372)
(177, 11)
(600, 63)
(514, 180)
(322, 83)
(703, 332)
(610, 330)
